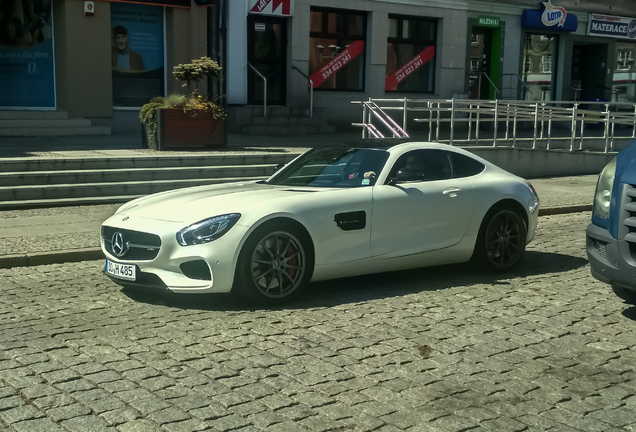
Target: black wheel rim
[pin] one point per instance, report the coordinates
(278, 264)
(504, 239)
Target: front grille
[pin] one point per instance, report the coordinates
(139, 246)
(628, 213)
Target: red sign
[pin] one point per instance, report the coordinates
(263, 7)
(337, 63)
(414, 64)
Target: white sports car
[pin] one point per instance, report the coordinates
(365, 207)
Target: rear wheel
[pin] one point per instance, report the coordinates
(275, 264)
(502, 239)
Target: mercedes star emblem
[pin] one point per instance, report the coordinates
(119, 245)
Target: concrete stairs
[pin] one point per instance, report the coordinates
(280, 121)
(42, 182)
(47, 123)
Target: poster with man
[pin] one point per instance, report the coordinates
(26, 54)
(136, 53)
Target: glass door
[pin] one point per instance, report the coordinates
(267, 53)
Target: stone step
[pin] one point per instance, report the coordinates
(42, 178)
(98, 191)
(55, 131)
(44, 115)
(289, 130)
(43, 123)
(160, 161)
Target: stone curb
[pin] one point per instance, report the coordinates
(86, 254)
(54, 257)
(565, 209)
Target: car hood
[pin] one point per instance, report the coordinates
(194, 204)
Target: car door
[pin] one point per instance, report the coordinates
(420, 214)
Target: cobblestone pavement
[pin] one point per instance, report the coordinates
(447, 348)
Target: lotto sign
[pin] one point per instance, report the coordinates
(414, 64)
(271, 7)
(337, 63)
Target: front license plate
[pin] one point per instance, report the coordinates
(122, 271)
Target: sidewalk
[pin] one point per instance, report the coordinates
(64, 234)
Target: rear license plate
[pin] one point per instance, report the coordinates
(121, 271)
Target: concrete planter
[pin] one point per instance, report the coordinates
(177, 129)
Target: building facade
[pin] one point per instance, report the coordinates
(104, 59)
(96, 59)
(351, 51)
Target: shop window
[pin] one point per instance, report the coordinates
(411, 53)
(538, 52)
(137, 53)
(337, 46)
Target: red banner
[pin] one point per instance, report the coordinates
(414, 64)
(337, 63)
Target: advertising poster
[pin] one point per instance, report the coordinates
(136, 53)
(27, 78)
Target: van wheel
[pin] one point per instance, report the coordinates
(628, 295)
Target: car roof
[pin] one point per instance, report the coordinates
(388, 144)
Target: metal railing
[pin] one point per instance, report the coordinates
(550, 125)
(311, 90)
(264, 78)
(371, 111)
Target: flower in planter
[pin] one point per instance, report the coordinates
(193, 104)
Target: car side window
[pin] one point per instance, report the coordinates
(464, 166)
(422, 165)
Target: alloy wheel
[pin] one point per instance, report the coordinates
(278, 264)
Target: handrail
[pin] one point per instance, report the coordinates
(549, 125)
(311, 90)
(386, 119)
(520, 80)
(490, 81)
(264, 88)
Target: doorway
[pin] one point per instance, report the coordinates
(267, 53)
(484, 72)
(589, 72)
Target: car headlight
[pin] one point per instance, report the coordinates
(207, 230)
(603, 196)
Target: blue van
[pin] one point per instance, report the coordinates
(611, 237)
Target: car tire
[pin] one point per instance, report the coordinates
(502, 239)
(628, 296)
(275, 264)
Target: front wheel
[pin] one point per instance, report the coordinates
(274, 265)
(502, 239)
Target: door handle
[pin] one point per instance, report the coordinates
(452, 192)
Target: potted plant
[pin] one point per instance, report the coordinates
(186, 120)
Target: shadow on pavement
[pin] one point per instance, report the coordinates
(372, 287)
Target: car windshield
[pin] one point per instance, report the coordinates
(333, 167)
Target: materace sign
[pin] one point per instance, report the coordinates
(612, 26)
(271, 7)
